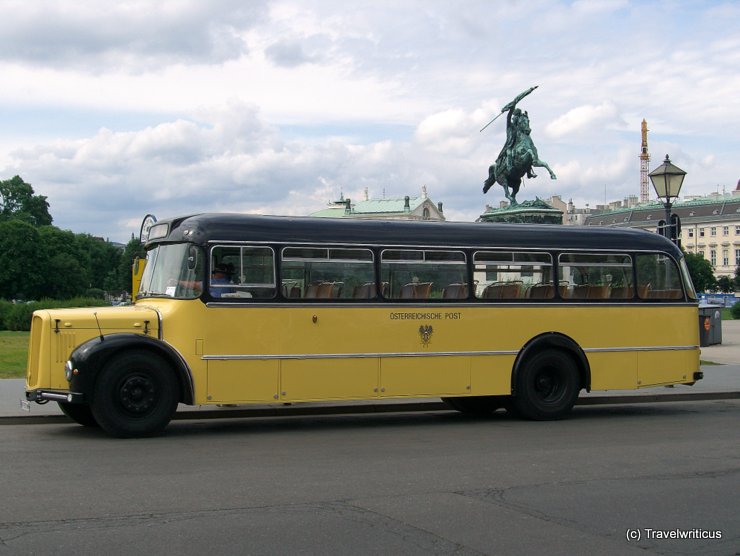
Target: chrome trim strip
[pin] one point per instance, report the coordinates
(356, 355)
(648, 348)
(58, 396)
(424, 353)
(52, 396)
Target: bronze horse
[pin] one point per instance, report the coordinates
(518, 156)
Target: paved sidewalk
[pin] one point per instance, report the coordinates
(728, 352)
(720, 378)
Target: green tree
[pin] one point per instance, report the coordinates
(17, 201)
(725, 284)
(62, 259)
(20, 273)
(701, 272)
(100, 258)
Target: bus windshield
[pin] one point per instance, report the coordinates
(174, 270)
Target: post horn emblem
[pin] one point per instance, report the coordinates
(425, 331)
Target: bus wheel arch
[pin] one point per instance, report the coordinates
(93, 356)
(547, 377)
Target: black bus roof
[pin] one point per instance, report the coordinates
(228, 227)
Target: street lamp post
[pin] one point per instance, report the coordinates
(667, 180)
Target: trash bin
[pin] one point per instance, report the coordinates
(710, 325)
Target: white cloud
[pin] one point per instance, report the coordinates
(585, 118)
(276, 106)
(137, 35)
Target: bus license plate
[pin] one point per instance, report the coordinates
(25, 405)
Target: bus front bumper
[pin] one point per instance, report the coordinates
(43, 396)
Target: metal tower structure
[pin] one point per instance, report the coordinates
(644, 166)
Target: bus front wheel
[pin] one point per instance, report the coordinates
(547, 386)
(136, 394)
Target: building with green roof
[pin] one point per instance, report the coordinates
(406, 208)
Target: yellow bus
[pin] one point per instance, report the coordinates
(244, 309)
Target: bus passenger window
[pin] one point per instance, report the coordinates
(240, 272)
(513, 275)
(424, 274)
(595, 276)
(658, 277)
(327, 273)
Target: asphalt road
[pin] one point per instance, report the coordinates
(415, 483)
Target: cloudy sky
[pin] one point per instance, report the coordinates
(118, 109)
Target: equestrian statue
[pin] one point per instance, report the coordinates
(519, 154)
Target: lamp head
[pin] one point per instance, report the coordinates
(667, 180)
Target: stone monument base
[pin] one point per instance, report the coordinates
(526, 212)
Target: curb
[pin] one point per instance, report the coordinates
(403, 407)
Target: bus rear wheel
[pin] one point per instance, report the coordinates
(135, 395)
(477, 406)
(547, 386)
(80, 414)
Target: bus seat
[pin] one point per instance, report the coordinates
(540, 291)
(422, 290)
(455, 291)
(598, 292)
(622, 292)
(416, 290)
(312, 290)
(492, 291)
(563, 289)
(325, 290)
(578, 291)
(407, 291)
(511, 290)
(365, 291)
(336, 289)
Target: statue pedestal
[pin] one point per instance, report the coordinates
(526, 212)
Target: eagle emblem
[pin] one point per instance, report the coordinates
(425, 331)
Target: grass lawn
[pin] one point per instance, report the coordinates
(13, 354)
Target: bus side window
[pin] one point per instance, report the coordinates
(501, 275)
(327, 273)
(240, 272)
(658, 277)
(595, 276)
(412, 274)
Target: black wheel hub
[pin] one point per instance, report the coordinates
(547, 385)
(138, 394)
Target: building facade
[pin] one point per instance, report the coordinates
(710, 226)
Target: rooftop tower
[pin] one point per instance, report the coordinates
(644, 165)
